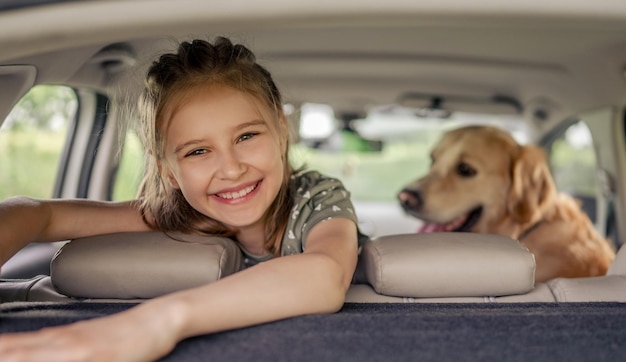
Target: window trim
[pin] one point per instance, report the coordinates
(64, 158)
(100, 117)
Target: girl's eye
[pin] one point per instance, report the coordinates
(197, 152)
(246, 136)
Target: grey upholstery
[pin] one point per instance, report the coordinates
(141, 265)
(364, 293)
(608, 288)
(447, 265)
(36, 289)
(618, 267)
(429, 268)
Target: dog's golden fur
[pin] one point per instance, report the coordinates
(483, 168)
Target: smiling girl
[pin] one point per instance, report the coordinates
(217, 141)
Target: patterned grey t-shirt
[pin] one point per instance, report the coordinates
(317, 198)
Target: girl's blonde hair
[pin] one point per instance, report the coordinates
(169, 80)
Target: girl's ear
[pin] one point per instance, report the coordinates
(285, 124)
(167, 174)
(172, 180)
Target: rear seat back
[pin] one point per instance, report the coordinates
(608, 288)
(446, 265)
(410, 268)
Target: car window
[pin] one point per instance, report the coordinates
(32, 139)
(377, 155)
(573, 162)
(373, 159)
(130, 169)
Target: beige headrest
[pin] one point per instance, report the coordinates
(141, 265)
(447, 265)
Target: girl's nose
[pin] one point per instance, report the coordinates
(230, 166)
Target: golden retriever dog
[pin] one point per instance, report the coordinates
(481, 180)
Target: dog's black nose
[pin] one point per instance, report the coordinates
(411, 199)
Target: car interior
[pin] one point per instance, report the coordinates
(369, 90)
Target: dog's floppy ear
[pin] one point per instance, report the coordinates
(531, 184)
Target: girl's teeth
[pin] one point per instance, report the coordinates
(236, 195)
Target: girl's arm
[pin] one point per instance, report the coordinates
(24, 220)
(312, 282)
(315, 281)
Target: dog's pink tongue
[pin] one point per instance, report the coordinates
(428, 227)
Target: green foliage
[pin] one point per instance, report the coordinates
(32, 139)
(130, 170)
(33, 136)
(372, 176)
(573, 168)
(29, 162)
(45, 107)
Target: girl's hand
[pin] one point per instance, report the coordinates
(120, 337)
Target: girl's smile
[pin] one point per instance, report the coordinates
(238, 194)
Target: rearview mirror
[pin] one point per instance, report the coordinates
(440, 106)
(319, 129)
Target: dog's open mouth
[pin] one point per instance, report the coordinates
(461, 224)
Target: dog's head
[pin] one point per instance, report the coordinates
(480, 180)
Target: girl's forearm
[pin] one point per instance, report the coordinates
(24, 220)
(21, 221)
(77, 218)
(278, 289)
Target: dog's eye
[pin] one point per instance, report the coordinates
(465, 170)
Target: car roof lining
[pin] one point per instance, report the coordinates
(16, 80)
(322, 54)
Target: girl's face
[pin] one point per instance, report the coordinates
(220, 152)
